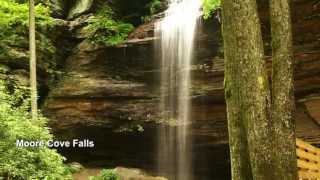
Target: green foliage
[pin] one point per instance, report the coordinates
(209, 6)
(106, 174)
(13, 13)
(36, 1)
(14, 18)
(104, 29)
(16, 123)
(155, 6)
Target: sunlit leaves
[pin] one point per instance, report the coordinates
(12, 13)
(104, 29)
(15, 123)
(209, 6)
(14, 22)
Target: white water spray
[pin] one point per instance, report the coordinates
(177, 32)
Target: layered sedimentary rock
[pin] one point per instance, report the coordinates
(111, 94)
(117, 87)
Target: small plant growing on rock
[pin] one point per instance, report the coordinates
(106, 174)
(104, 29)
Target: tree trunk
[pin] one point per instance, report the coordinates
(247, 92)
(283, 104)
(33, 68)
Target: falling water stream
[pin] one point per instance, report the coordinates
(176, 32)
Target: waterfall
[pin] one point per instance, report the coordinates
(175, 49)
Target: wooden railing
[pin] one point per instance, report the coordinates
(308, 161)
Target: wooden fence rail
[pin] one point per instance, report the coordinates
(308, 161)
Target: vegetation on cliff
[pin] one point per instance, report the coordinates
(106, 174)
(155, 6)
(105, 29)
(14, 33)
(16, 124)
(209, 6)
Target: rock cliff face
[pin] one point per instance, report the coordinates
(118, 86)
(111, 94)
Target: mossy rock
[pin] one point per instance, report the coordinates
(80, 7)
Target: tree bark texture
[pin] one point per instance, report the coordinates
(33, 68)
(247, 92)
(283, 104)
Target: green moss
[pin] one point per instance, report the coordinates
(105, 29)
